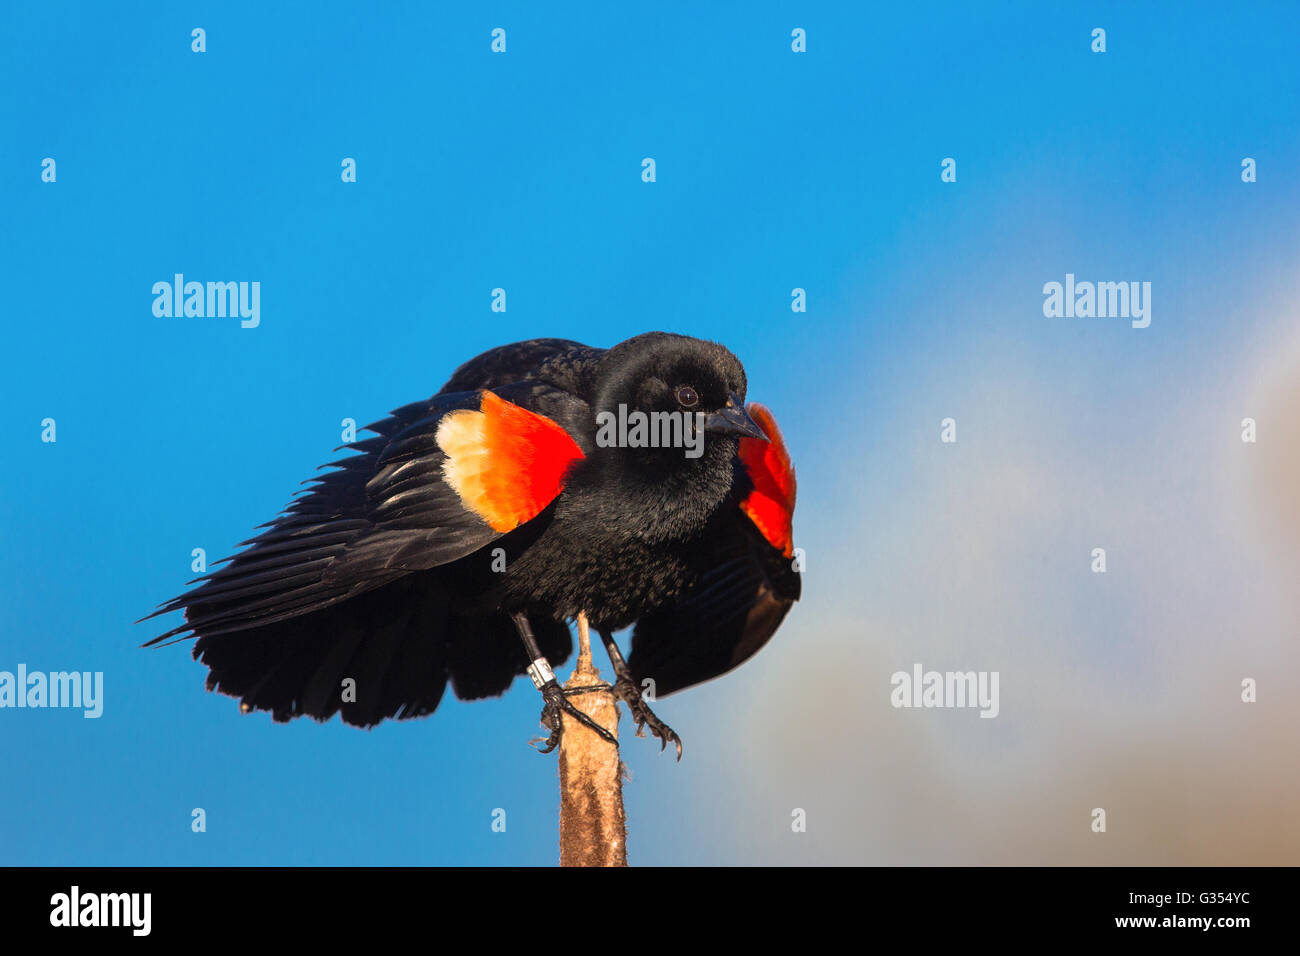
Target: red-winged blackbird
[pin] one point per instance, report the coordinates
(498, 510)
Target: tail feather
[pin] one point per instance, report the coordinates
(399, 644)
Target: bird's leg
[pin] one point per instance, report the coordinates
(539, 670)
(625, 689)
(583, 662)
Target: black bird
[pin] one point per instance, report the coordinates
(457, 542)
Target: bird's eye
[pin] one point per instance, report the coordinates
(687, 397)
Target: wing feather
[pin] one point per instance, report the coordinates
(382, 512)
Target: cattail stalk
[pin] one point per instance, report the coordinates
(593, 826)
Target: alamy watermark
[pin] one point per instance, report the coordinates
(638, 429)
(73, 689)
(212, 300)
(922, 688)
(75, 908)
(1102, 300)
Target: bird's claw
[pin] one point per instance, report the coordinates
(628, 693)
(557, 703)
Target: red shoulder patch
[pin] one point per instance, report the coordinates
(771, 504)
(505, 462)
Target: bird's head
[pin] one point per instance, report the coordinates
(689, 394)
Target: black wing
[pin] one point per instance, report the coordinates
(341, 584)
(388, 504)
(385, 511)
(731, 612)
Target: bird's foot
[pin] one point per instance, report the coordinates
(557, 704)
(625, 689)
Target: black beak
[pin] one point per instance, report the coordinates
(734, 420)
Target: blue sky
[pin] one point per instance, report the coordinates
(775, 170)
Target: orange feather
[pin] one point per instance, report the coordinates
(771, 504)
(505, 462)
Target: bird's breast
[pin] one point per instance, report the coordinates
(612, 578)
